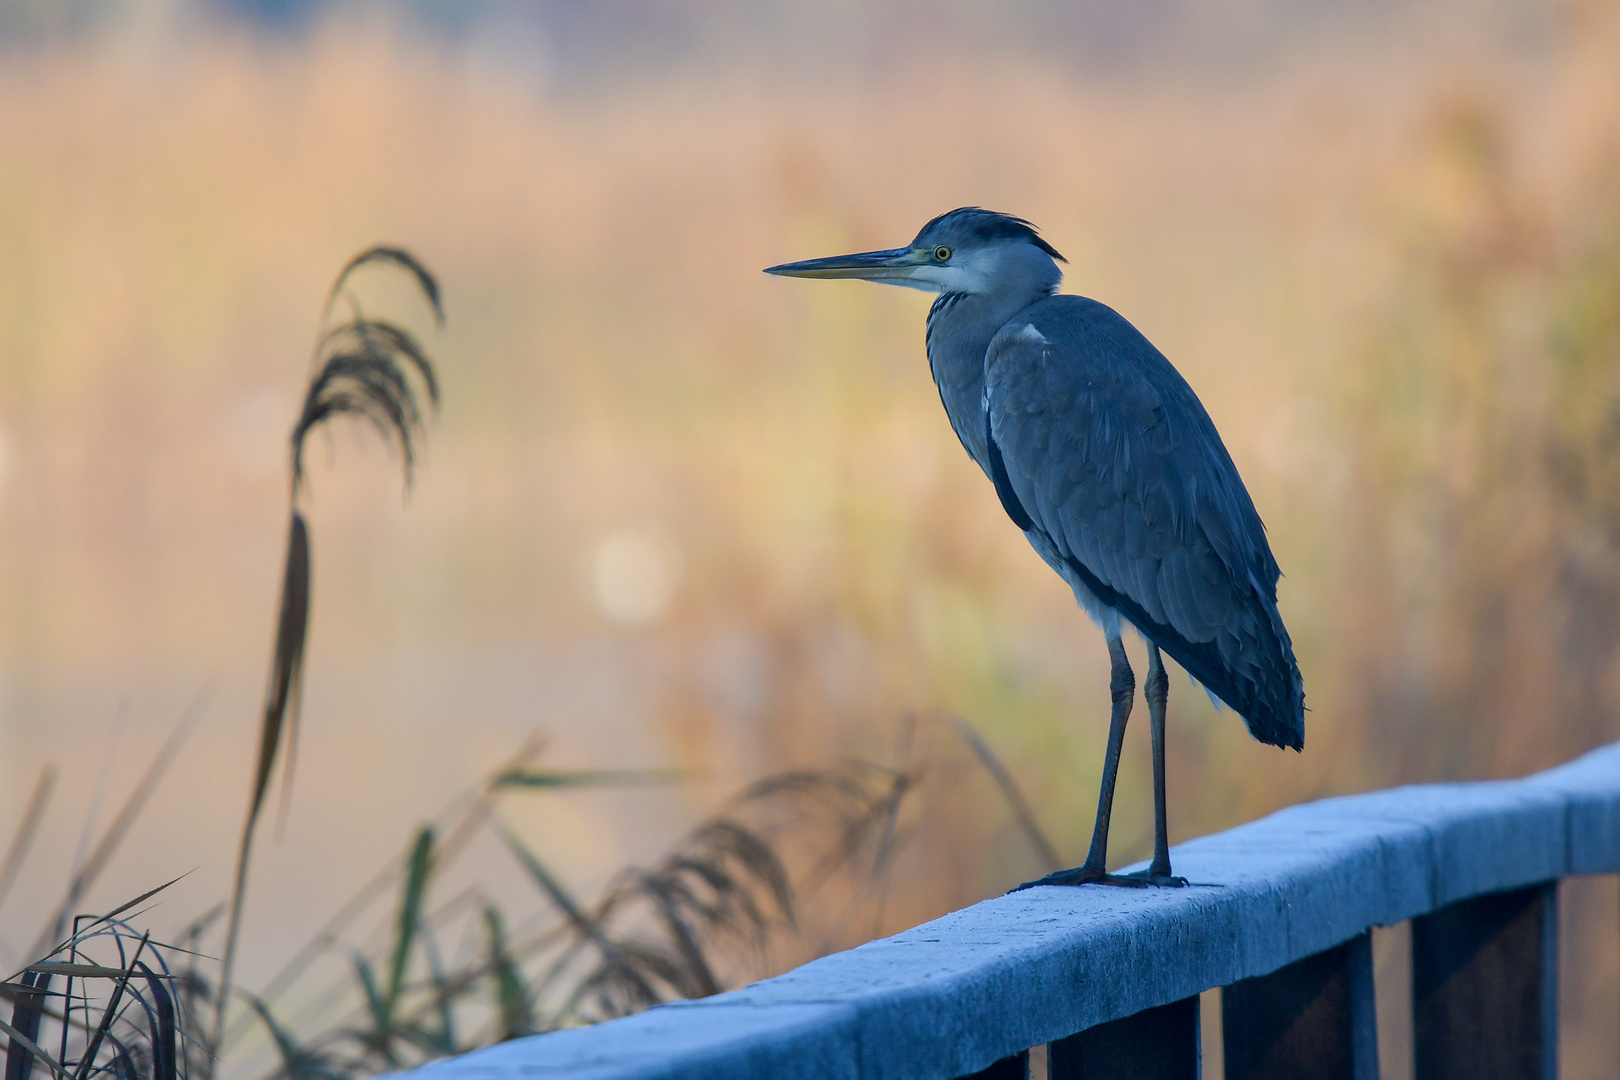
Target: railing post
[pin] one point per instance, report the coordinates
(1485, 988)
(1154, 1044)
(1316, 1017)
(1008, 1068)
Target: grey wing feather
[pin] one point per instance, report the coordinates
(1111, 459)
(998, 476)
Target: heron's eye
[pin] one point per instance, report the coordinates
(942, 253)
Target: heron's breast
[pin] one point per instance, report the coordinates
(1107, 618)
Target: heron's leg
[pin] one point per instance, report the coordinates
(1157, 691)
(1122, 689)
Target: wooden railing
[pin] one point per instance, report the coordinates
(1278, 915)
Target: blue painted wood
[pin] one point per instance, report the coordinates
(1485, 988)
(1316, 1017)
(1155, 1044)
(954, 995)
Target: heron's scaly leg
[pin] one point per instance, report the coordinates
(1122, 688)
(1157, 691)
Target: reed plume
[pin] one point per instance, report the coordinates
(365, 368)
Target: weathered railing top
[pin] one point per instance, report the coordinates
(951, 996)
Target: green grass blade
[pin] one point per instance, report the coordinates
(292, 1055)
(371, 993)
(552, 778)
(460, 820)
(79, 971)
(513, 1008)
(614, 958)
(544, 878)
(442, 1041)
(141, 899)
(418, 867)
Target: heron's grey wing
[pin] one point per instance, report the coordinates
(997, 468)
(1112, 459)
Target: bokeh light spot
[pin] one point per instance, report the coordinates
(637, 574)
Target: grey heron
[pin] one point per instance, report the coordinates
(1105, 458)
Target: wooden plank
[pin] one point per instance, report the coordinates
(1154, 1044)
(1485, 988)
(954, 995)
(1015, 1067)
(1316, 1017)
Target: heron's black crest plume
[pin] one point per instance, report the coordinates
(984, 225)
(367, 368)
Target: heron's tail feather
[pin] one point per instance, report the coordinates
(1248, 663)
(1264, 685)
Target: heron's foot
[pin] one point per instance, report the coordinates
(1088, 875)
(1160, 879)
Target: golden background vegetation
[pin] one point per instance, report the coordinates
(1390, 266)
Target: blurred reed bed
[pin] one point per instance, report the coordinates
(425, 960)
(800, 857)
(701, 919)
(1393, 284)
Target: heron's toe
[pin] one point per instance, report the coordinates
(1085, 875)
(1163, 881)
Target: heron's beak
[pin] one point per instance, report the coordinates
(896, 264)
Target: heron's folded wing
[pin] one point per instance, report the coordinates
(1108, 452)
(998, 476)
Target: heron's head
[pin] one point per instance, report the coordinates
(965, 251)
